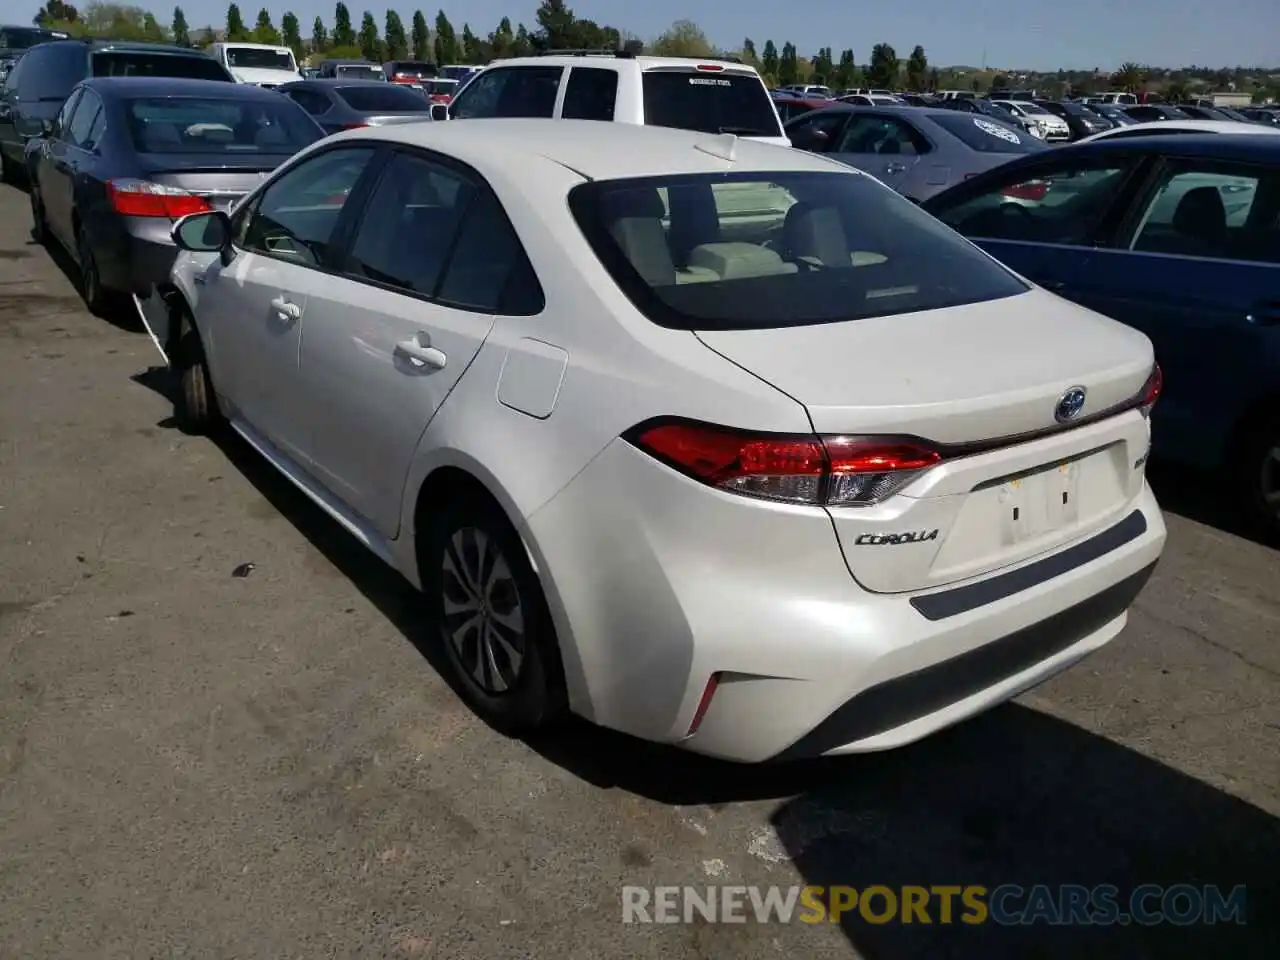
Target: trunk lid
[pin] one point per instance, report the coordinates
(977, 378)
(221, 179)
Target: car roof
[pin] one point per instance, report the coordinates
(1220, 146)
(177, 87)
(1218, 127)
(644, 61)
(901, 109)
(597, 151)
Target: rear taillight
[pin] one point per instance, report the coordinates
(1034, 190)
(836, 471)
(141, 198)
(1151, 390)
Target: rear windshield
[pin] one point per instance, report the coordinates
(187, 125)
(709, 102)
(20, 38)
(359, 71)
(384, 99)
(131, 63)
(755, 251)
(259, 59)
(987, 136)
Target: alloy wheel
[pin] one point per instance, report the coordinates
(484, 619)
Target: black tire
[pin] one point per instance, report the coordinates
(1257, 470)
(195, 404)
(99, 300)
(39, 229)
(519, 697)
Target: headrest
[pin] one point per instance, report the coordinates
(642, 202)
(1200, 210)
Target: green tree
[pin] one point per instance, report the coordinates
(236, 30)
(370, 42)
(500, 40)
(181, 35)
(151, 29)
(843, 79)
(917, 69)
(264, 31)
(882, 71)
(1130, 76)
(55, 11)
(472, 48)
(421, 42)
(1000, 82)
(684, 38)
(446, 40)
(522, 45)
(823, 68)
(291, 35)
(749, 51)
(557, 27)
(397, 42)
(319, 37)
(769, 60)
(933, 79)
(343, 34)
(788, 65)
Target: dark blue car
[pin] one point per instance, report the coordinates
(1178, 236)
(127, 156)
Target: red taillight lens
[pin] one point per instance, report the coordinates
(709, 67)
(1034, 190)
(1152, 390)
(828, 471)
(703, 704)
(140, 198)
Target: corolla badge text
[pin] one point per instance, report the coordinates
(894, 539)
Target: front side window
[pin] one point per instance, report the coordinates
(778, 250)
(1213, 210)
(1063, 205)
(590, 94)
(133, 63)
(709, 102)
(409, 225)
(190, 125)
(296, 215)
(509, 92)
(871, 133)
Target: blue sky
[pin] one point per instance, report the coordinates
(1036, 34)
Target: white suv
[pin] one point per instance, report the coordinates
(711, 96)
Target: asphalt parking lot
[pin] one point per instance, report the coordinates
(200, 764)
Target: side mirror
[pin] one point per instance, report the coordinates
(439, 111)
(203, 232)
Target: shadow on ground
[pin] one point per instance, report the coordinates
(1198, 495)
(121, 313)
(1013, 797)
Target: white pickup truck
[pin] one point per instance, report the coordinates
(258, 63)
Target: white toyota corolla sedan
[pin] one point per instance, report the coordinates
(709, 441)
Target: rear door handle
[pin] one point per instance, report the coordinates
(895, 167)
(286, 310)
(1265, 314)
(421, 354)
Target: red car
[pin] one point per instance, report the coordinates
(440, 90)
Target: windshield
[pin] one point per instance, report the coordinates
(359, 71)
(778, 250)
(133, 63)
(259, 59)
(710, 103)
(20, 38)
(1034, 109)
(187, 125)
(390, 98)
(987, 136)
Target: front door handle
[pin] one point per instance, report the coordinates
(895, 167)
(286, 310)
(1265, 314)
(421, 354)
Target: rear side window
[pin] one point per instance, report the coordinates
(83, 120)
(987, 136)
(719, 102)
(756, 251)
(590, 94)
(509, 92)
(50, 73)
(132, 63)
(384, 98)
(488, 270)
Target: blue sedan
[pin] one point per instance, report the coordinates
(1178, 236)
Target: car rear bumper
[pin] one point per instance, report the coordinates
(658, 583)
(135, 253)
